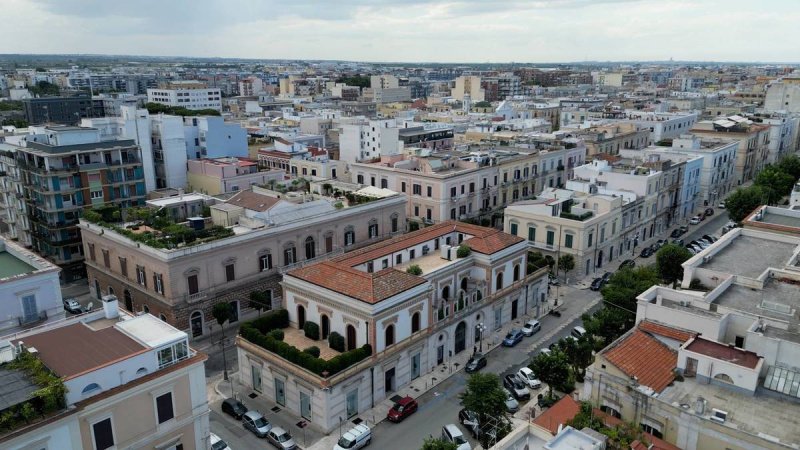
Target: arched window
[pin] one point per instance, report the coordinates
(141, 372)
(93, 387)
(446, 292)
(723, 377)
(415, 322)
(126, 294)
(498, 284)
(389, 335)
(516, 272)
(196, 323)
(146, 309)
(311, 248)
(162, 317)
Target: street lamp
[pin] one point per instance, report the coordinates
(480, 328)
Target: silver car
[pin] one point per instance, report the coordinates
(257, 423)
(512, 405)
(281, 438)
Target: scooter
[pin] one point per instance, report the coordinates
(555, 312)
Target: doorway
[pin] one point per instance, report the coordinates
(439, 354)
(280, 392)
(514, 305)
(301, 316)
(196, 323)
(255, 373)
(325, 324)
(351, 337)
(599, 260)
(461, 337)
(128, 300)
(352, 403)
(305, 406)
(388, 378)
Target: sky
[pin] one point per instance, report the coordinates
(479, 31)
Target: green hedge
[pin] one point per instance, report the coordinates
(276, 334)
(260, 332)
(311, 330)
(336, 341)
(313, 351)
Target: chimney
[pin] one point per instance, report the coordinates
(110, 306)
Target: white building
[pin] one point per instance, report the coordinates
(30, 290)
(718, 176)
(368, 140)
(189, 98)
(783, 95)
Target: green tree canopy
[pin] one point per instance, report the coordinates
(222, 312)
(45, 88)
(566, 263)
(606, 325)
(668, 262)
(579, 353)
(485, 396)
(791, 166)
(625, 285)
(432, 443)
(553, 369)
(744, 201)
(355, 80)
(776, 182)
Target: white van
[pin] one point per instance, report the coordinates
(578, 331)
(451, 433)
(357, 437)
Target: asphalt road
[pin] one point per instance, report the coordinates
(440, 406)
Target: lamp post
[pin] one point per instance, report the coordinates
(480, 328)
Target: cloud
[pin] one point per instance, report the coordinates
(414, 30)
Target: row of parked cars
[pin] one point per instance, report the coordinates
(701, 217)
(698, 245)
(256, 423)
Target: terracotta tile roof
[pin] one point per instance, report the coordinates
(558, 414)
(730, 354)
(666, 331)
(251, 200)
(275, 153)
(72, 350)
(367, 287)
(642, 356)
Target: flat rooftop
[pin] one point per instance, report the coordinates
(428, 263)
(11, 266)
(15, 387)
(786, 220)
(750, 256)
(754, 414)
(150, 330)
(777, 300)
(177, 200)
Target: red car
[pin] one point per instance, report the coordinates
(402, 409)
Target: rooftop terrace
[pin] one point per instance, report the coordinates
(11, 266)
(749, 256)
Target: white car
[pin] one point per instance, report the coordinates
(721, 205)
(531, 327)
(217, 443)
(526, 375)
(694, 220)
(512, 405)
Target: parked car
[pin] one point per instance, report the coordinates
(660, 243)
(512, 338)
(545, 351)
(701, 243)
(709, 212)
(512, 405)
(516, 387)
(234, 407)
(257, 423)
(627, 263)
(578, 332)
(357, 437)
(470, 421)
(281, 439)
(403, 408)
(531, 327)
(678, 242)
(606, 277)
(476, 362)
(710, 238)
(721, 205)
(697, 249)
(691, 250)
(646, 252)
(676, 233)
(695, 220)
(528, 377)
(453, 435)
(553, 279)
(597, 284)
(72, 306)
(217, 443)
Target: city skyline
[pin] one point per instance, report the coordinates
(548, 31)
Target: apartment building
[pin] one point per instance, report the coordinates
(412, 323)
(64, 110)
(784, 135)
(223, 175)
(65, 170)
(190, 95)
(720, 370)
(753, 139)
(611, 137)
(368, 140)
(468, 85)
(102, 369)
(251, 86)
(783, 96)
(30, 291)
(662, 125)
(268, 235)
(14, 223)
(718, 175)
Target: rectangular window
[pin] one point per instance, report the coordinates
(103, 434)
(417, 189)
(403, 186)
(589, 241)
(106, 259)
(158, 283)
(568, 241)
(164, 407)
(531, 234)
(290, 254)
(514, 229)
(141, 276)
(123, 266)
(430, 191)
(453, 191)
(230, 273)
(265, 262)
(194, 288)
(550, 237)
(96, 194)
(91, 252)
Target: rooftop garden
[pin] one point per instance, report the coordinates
(267, 333)
(152, 227)
(581, 217)
(50, 396)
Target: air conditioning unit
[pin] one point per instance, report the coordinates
(718, 415)
(446, 252)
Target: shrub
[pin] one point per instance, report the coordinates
(276, 334)
(272, 320)
(413, 226)
(414, 270)
(313, 351)
(463, 251)
(336, 341)
(311, 330)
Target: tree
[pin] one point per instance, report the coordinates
(223, 312)
(579, 354)
(414, 269)
(668, 262)
(586, 418)
(566, 263)
(260, 301)
(553, 369)
(776, 182)
(606, 325)
(625, 285)
(432, 443)
(45, 88)
(791, 166)
(484, 396)
(744, 201)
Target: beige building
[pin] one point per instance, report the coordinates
(753, 151)
(222, 175)
(720, 367)
(612, 137)
(130, 382)
(266, 236)
(468, 85)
